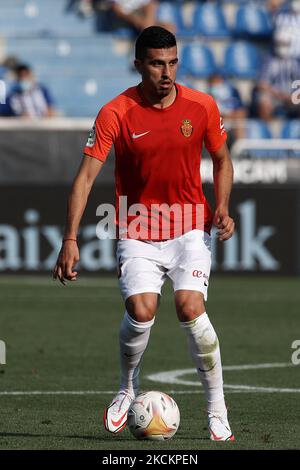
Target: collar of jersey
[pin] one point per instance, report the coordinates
(160, 110)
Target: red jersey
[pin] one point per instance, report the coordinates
(158, 151)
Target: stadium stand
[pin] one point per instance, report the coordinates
(35, 18)
(80, 85)
(84, 68)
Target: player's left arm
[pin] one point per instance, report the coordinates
(223, 178)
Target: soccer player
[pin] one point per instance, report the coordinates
(158, 129)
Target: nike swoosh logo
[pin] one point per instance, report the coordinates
(137, 136)
(207, 370)
(117, 423)
(216, 438)
(131, 355)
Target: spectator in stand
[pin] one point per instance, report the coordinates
(83, 8)
(2, 90)
(229, 101)
(10, 63)
(137, 14)
(227, 96)
(273, 6)
(27, 98)
(272, 94)
(6, 76)
(287, 20)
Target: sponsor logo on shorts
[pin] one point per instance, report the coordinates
(201, 275)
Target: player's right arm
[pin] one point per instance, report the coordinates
(82, 185)
(137, 20)
(101, 138)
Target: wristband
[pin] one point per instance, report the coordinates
(72, 239)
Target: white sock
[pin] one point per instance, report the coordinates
(134, 338)
(205, 352)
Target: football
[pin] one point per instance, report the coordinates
(154, 416)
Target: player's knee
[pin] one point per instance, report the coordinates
(190, 310)
(142, 313)
(141, 310)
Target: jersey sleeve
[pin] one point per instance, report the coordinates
(103, 134)
(215, 135)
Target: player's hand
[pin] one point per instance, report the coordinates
(67, 258)
(224, 223)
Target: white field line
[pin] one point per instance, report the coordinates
(171, 377)
(176, 377)
(267, 365)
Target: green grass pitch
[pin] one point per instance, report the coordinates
(65, 339)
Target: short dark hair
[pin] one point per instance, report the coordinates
(20, 68)
(154, 37)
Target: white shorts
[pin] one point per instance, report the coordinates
(143, 266)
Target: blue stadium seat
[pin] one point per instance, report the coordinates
(291, 130)
(124, 33)
(87, 104)
(41, 18)
(257, 129)
(209, 20)
(69, 55)
(198, 61)
(252, 21)
(241, 60)
(169, 12)
(3, 71)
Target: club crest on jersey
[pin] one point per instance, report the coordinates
(186, 128)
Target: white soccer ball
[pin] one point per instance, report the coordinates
(154, 416)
